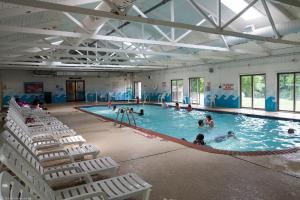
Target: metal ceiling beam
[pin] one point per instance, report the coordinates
(202, 12)
(36, 31)
(239, 14)
(75, 21)
(288, 2)
(11, 12)
(24, 44)
(51, 64)
(189, 31)
(154, 26)
(85, 11)
(264, 3)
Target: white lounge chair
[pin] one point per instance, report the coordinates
(67, 173)
(37, 120)
(49, 130)
(42, 142)
(116, 188)
(59, 155)
(11, 189)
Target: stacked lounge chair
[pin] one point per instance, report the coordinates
(45, 154)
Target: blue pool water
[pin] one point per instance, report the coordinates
(253, 134)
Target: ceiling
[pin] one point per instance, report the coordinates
(138, 35)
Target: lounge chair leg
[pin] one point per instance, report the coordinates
(146, 195)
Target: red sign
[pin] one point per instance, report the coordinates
(227, 86)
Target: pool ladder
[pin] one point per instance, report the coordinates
(129, 115)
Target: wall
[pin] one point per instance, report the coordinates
(225, 73)
(105, 85)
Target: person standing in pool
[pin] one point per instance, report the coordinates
(177, 107)
(189, 108)
(209, 121)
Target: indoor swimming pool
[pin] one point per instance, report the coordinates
(252, 133)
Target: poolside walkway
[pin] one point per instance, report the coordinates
(181, 173)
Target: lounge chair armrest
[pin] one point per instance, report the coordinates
(90, 195)
(38, 137)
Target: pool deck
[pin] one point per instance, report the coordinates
(178, 172)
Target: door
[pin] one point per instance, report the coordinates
(177, 90)
(138, 89)
(253, 90)
(289, 92)
(197, 91)
(75, 90)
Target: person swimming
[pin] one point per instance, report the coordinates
(222, 138)
(291, 131)
(177, 107)
(201, 123)
(209, 121)
(199, 139)
(189, 108)
(114, 107)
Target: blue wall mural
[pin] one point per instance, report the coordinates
(223, 101)
(271, 104)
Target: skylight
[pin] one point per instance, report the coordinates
(238, 5)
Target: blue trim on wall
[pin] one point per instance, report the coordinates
(228, 101)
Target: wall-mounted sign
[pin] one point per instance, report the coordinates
(228, 86)
(33, 87)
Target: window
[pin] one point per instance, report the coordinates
(197, 91)
(253, 89)
(177, 90)
(289, 91)
(138, 89)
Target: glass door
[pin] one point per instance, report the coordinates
(197, 91)
(177, 90)
(75, 90)
(253, 91)
(289, 92)
(138, 89)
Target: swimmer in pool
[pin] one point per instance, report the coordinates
(114, 107)
(291, 131)
(177, 107)
(200, 139)
(209, 121)
(222, 138)
(189, 108)
(200, 123)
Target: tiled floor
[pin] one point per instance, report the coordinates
(181, 173)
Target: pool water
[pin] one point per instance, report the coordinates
(252, 134)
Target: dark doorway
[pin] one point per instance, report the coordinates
(75, 90)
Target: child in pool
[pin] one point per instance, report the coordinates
(291, 131)
(177, 107)
(200, 139)
(209, 121)
(230, 134)
(189, 108)
(200, 123)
